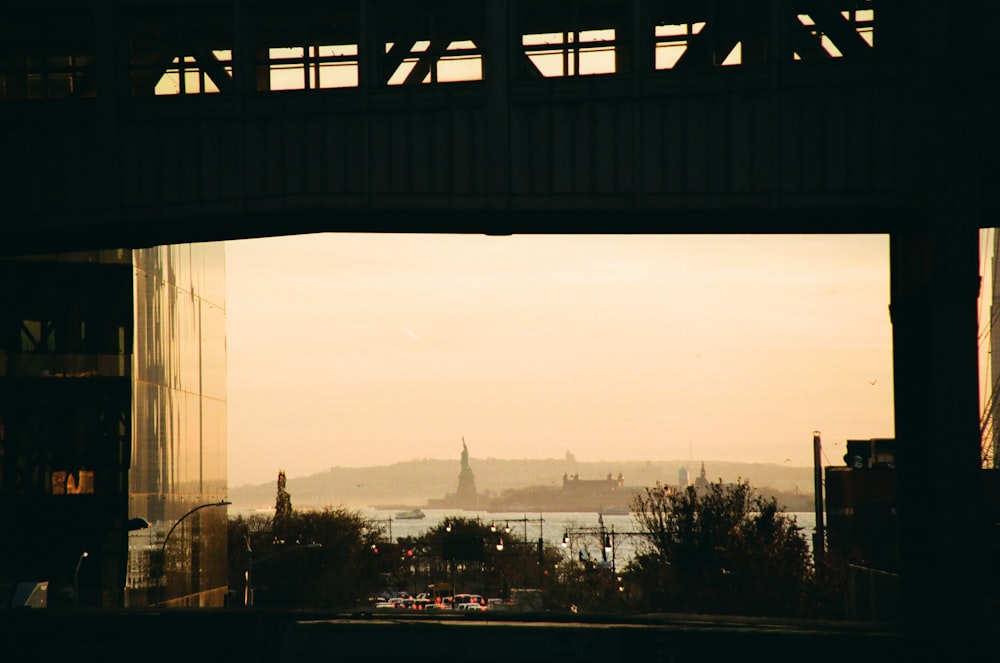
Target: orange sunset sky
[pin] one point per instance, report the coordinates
(357, 350)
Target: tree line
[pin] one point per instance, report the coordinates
(723, 550)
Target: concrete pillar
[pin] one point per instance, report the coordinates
(934, 289)
(498, 56)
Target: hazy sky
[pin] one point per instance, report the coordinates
(358, 350)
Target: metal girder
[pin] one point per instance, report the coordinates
(149, 35)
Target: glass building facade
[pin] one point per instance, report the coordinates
(113, 426)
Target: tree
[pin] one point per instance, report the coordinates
(585, 586)
(724, 550)
(283, 501)
(453, 551)
(464, 550)
(291, 571)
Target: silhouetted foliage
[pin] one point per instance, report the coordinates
(430, 563)
(283, 500)
(464, 550)
(585, 586)
(587, 579)
(314, 559)
(726, 550)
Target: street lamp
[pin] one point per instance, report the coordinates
(181, 519)
(389, 521)
(608, 538)
(76, 578)
(525, 520)
(163, 548)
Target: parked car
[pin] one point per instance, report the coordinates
(471, 606)
(470, 598)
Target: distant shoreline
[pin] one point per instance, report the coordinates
(513, 485)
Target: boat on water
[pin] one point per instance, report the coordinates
(411, 514)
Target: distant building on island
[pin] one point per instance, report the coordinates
(465, 497)
(701, 483)
(573, 485)
(607, 495)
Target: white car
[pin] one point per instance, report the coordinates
(471, 606)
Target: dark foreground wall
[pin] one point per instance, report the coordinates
(251, 636)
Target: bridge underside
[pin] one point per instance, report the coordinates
(155, 128)
(143, 123)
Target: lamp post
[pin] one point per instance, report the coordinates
(608, 540)
(76, 578)
(163, 548)
(131, 525)
(494, 526)
(389, 522)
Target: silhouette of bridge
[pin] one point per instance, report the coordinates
(131, 123)
(162, 122)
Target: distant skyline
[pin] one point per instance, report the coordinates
(359, 350)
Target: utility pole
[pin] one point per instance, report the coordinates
(819, 536)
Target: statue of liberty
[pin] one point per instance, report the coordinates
(466, 494)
